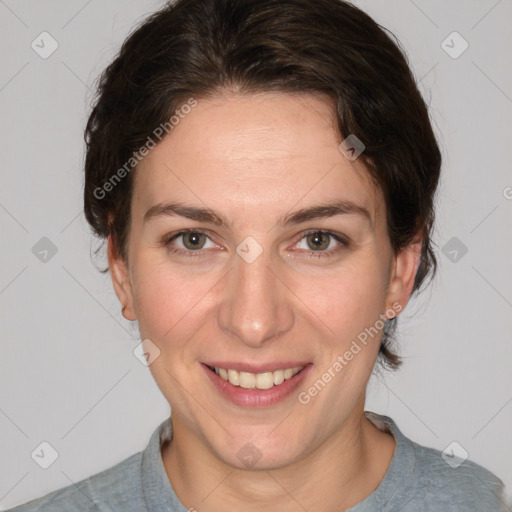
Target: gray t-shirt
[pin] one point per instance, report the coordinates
(418, 479)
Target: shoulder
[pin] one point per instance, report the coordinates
(455, 484)
(425, 479)
(118, 486)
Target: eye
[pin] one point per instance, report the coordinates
(320, 241)
(188, 240)
(315, 242)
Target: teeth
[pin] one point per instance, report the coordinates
(234, 377)
(265, 380)
(247, 380)
(278, 377)
(288, 373)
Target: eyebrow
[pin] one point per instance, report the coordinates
(343, 207)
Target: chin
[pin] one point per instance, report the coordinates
(261, 452)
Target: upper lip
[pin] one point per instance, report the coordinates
(256, 368)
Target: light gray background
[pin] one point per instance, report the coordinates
(68, 374)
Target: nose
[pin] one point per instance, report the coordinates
(255, 307)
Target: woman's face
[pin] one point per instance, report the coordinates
(286, 265)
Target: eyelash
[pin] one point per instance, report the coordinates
(200, 253)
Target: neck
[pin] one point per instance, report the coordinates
(340, 473)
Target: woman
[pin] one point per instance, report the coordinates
(264, 172)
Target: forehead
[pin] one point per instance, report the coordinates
(268, 151)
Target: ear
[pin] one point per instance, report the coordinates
(403, 274)
(121, 281)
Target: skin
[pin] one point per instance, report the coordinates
(255, 158)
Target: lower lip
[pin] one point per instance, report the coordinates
(257, 397)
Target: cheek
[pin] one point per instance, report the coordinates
(170, 304)
(347, 300)
(155, 299)
(169, 312)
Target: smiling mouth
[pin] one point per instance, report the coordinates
(265, 380)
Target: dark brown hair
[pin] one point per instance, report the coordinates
(196, 48)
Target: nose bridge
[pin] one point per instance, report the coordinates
(254, 307)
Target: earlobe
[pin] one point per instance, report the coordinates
(403, 274)
(121, 281)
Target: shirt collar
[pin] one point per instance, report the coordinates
(160, 496)
(400, 471)
(158, 492)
